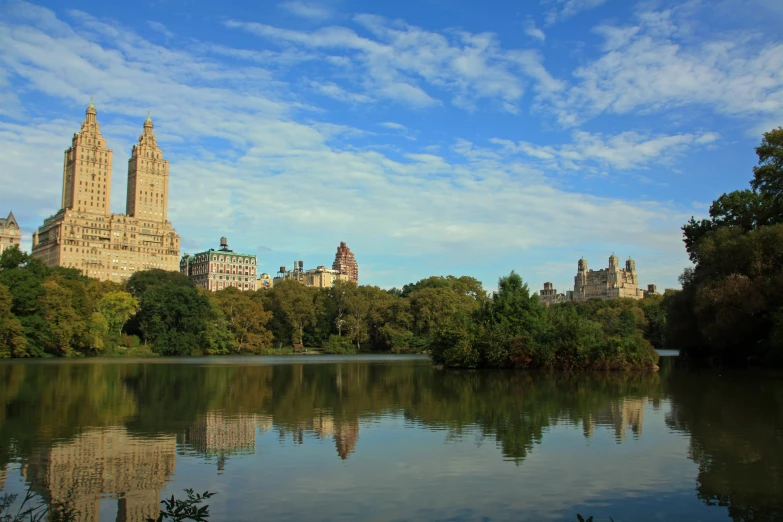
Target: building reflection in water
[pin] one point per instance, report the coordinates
(622, 414)
(324, 425)
(104, 462)
(219, 435)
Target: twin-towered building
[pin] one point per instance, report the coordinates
(85, 235)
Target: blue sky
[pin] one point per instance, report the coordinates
(433, 136)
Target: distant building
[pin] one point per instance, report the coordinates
(651, 290)
(320, 277)
(219, 269)
(264, 282)
(84, 235)
(345, 263)
(607, 283)
(549, 295)
(10, 233)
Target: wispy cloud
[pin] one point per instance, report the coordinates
(532, 31)
(560, 10)
(624, 151)
(309, 10)
(653, 66)
(160, 28)
(412, 66)
(393, 125)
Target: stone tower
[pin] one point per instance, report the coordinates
(345, 263)
(148, 179)
(87, 169)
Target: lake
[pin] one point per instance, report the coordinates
(390, 438)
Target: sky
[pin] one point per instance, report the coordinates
(435, 137)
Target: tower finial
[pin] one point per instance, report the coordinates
(92, 102)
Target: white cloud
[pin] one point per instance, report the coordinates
(307, 10)
(407, 64)
(534, 32)
(651, 67)
(160, 28)
(393, 125)
(564, 9)
(627, 150)
(333, 90)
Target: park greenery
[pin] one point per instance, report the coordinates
(58, 312)
(730, 309)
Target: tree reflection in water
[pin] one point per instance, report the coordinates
(75, 421)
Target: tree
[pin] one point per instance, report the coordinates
(357, 307)
(246, 318)
(296, 303)
(173, 315)
(768, 175)
(12, 340)
(340, 293)
(63, 323)
(117, 307)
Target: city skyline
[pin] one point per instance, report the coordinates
(468, 142)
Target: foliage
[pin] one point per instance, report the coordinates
(58, 312)
(512, 330)
(117, 307)
(56, 511)
(178, 510)
(338, 344)
(731, 304)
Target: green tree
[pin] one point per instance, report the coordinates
(357, 308)
(768, 175)
(172, 314)
(64, 325)
(246, 319)
(296, 304)
(117, 307)
(12, 340)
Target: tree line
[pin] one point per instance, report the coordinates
(55, 311)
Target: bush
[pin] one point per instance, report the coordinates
(338, 344)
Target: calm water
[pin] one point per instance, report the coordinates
(375, 438)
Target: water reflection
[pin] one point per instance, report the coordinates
(100, 462)
(97, 430)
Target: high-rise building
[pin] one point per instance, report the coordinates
(345, 263)
(219, 269)
(84, 235)
(10, 234)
